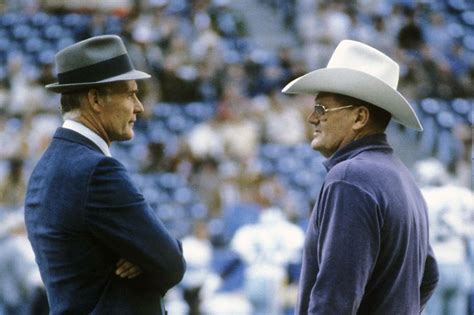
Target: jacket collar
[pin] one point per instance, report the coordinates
(74, 136)
(372, 142)
(86, 132)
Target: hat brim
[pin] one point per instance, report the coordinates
(359, 85)
(131, 75)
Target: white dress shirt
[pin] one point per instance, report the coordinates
(89, 134)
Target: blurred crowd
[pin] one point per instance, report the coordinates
(221, 154)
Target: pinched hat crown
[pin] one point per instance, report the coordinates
(360, 71)
(369, 60)
(97, 60)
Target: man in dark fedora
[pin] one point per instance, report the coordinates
(367, 246)
(99, 246)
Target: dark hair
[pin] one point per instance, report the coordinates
(378, 117)
(71, 100)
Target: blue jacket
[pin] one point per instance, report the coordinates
(367, 248)
(83, 214)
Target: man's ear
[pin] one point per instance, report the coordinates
(362, 115)
(94, 100)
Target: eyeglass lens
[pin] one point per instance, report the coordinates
(319, 110)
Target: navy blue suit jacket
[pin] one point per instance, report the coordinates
(83, 214)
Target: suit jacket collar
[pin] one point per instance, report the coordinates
(86, 132)
(73, 136)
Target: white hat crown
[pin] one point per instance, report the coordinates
(354, 55)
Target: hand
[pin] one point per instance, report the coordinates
(127, 270)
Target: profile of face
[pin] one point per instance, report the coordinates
(334, 128)
(120, 106)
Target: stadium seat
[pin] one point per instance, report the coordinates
(199, 111)
(458, 5)
(169, 181)
(64, 42)
(177, 123)
(302, 178)
(198, 211)
(237, 215)
(184, 195)
(46, 57)
(430, 106)
(447, 145)
(40, 19)
(228, 265)
(463, 108)
(55, 32)
(75, 20)
(468, 42)
(271, 151)
(429, 135)
(467, 18)
(11, 19)
(288, 164)
(446, 119)
(21, 32)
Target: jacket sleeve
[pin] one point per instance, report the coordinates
(430, 278)
(349, 224)
(117, 214)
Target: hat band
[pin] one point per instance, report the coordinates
(97, 71)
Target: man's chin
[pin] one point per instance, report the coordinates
(315, 145)
(125, 137)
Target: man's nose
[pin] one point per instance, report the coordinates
(138, 106)
(312, 118)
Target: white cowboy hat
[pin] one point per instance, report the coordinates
(94, 61)
(362, 72)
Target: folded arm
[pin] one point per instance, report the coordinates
(119, 217)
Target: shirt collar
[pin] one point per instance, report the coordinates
(89, 134)
(371, 142)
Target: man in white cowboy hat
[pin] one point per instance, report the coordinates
(100, 247)
(367, 249)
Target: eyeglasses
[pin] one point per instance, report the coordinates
(321, 110)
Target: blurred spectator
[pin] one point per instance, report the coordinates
(227, 21)
(283, 123)
(198, 254)
(178, 79)
(379, 36)
(13, 186)
(26, 94)
(206, 179)
(436, 33)
(227, 135)
(4, 96)
(205, 140)
(458, 67)
(46, 75)
(451, 215)
(467, 82)
(410, 36)
(463, 166)
(21, 288)
(268, 247)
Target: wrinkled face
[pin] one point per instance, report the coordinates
(332, 130)
(121, 106)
